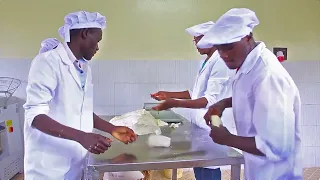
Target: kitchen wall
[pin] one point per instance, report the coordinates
(154, 29)
(121, 86)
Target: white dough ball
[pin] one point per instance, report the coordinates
(216, 121)
(159, 141)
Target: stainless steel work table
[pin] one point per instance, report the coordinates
(190, 147)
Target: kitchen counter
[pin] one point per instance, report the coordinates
(190, 147)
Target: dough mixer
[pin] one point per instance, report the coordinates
(11, 144)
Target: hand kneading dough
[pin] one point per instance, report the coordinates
(159, 141)
(216, 121)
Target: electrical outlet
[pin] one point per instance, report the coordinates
(284, 50)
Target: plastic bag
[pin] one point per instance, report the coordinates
(140, 121)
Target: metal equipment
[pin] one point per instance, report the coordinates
(167, 116)
(11, 139)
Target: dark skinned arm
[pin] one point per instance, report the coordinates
(179, 95)
(247, 144)
(49, 126)
(193, 104)
(102, 125)
(225, 103)
(202, 103)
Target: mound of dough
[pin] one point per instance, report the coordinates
(140, 121)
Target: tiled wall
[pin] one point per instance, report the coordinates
(122, 86)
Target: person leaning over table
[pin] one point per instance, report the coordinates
(265, 100)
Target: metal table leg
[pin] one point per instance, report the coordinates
(235, 172)
(90, 175)
(174, 174)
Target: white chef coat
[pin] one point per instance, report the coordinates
(214, 82)
(54, 88)
(266, 105)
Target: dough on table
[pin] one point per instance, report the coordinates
(159, 141)
(175, 125)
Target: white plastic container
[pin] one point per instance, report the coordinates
(127, 175)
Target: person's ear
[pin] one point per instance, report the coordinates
(249, 37)
(84, 33)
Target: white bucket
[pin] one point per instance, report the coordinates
(127, 175)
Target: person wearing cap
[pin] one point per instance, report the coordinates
(59, 117)
(48, 44)
(211, 85)
(265, 100)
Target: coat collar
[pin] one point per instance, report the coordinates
(251, 60)
(68, 60)
(214, 57)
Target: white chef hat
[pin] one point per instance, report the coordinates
(79, 20)
(231, 27)
(48, 44)
(200, 29)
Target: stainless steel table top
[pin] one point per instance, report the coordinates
(190, 147)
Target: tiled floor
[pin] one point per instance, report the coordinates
(308, 174)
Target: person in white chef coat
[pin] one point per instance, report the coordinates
(212, 85)
(265, 100)
(48, 44)
(59, 117)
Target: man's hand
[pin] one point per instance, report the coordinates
(124, 134)
(95, 143)
(216, 109)
(167, 104)
(161, 95)
(220, 135)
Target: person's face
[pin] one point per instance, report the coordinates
(200, 50)
(89, 44)
(234, 54)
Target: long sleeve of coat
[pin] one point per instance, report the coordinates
(42, 82)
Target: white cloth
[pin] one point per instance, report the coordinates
(214, 83)
(79, 20)
(267, 106)
(200, 29)
(231, 27)
(48, 44)
(54, 89)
